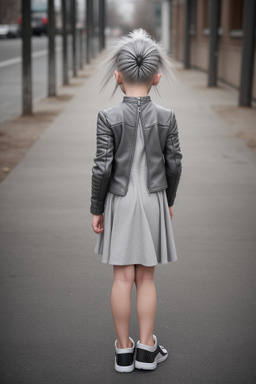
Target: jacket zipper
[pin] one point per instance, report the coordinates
(138, 115)
(139, 108)
(133, 148)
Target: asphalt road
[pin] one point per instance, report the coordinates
(56, 323)
(11, 71)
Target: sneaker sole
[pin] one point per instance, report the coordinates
(149, 366)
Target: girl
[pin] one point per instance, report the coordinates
(134, 182)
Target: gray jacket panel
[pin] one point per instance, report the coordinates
(116, 139)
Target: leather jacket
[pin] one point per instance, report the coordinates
(116, 139)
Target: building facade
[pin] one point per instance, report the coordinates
(230, 37)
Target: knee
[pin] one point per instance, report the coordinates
(144, 274)
(124, 274)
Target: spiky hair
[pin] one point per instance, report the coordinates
(138, 57)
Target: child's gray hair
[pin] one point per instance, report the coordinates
(138, 57)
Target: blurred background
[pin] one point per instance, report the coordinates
(217, 37)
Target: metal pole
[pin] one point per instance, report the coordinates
(165, 24)
(170, 26)
(103, 7)
(88, 37)
(187, 35)
(214, 16)
(64, 43)
(101, 23)
(81, 47)
(73, 4)
(51, 49)
(92, 28)
(26, 58)
(85, 28)
(246, 77)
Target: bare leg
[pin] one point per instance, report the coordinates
(121, 302)
(145, 302)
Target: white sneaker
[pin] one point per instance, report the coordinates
(124, 358)
(147, 357)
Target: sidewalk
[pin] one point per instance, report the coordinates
(56, 321)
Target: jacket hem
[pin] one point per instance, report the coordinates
(159, 188)
(125, 192)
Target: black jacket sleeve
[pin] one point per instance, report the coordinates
(101, 171)
(173, 156)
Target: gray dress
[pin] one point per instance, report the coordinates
(137, 226)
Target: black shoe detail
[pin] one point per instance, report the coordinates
(145, 356)
(161, 351)
(125, 359)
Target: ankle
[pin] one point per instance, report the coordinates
(122, 345)
(147, 341)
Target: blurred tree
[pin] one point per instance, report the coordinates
(145, 15)
(114, 18)
(142, 13)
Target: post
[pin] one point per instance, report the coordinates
(187, 34)
(51, 49)
(73, 6)
(101, 24)
(214, 16)
(81, 47)
(170, 25)
(88, 37)
(64, 43)
(246, 76)
(26, 58)
(92, 27)
(165, 24)
(104, 22)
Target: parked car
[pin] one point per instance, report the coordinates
(4, 29)
(9, 30)
(39, 23)
(14, 30)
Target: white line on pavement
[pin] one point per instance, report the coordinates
(34, 55)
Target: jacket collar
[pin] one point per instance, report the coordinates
(134, 99)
